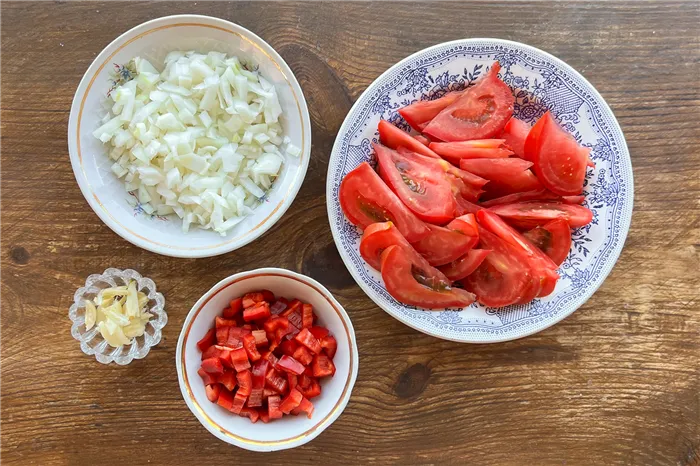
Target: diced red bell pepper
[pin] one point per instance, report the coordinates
(245, 382)
(270, 357)
(224, 355)
(292, 379)
(312, 390)
(296, 319)
(293, 306)
(239, 332)
(290, 331)
(251, 299)
(258, 312)
(304, 381)
(289, 364)
(233, 341)
(207, 378)
(235, 307)
(288, 347)
(213, 366)
(258, 372)
(275, 381)
(307, 316)
(268, 392)
(208, 340)
(213, 392)
(250, 413)
(306, 338)
(268, 296)
(291, 401)
(319, 332)
(264, 416)
(228, 380)
(273, 407)
(303, 355)
(304, 407)
(260, 337)
(225, 399)
(279, 306)
(250, 348)
(211, 352)
(221, 335)
(330, 345)
(221, 322)
(239, 359)
(238, 402)
(323, 366)
(275, 323)
(309, 372)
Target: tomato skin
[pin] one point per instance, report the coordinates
(480, 113)
(530, 214)
(440, 164)
(532, 140)
(444, 245)
(363, 185)
(506, 176)
(422, 139)
(559, 161)
(465, 265)
(515, 133)
(553, 238)
(453, 152)
(394, 137)
(466, 207)
(399, 275)
(419, 114)
(503, 278)
(423, 189)
(378, 237)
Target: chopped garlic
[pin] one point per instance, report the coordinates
(118, 313)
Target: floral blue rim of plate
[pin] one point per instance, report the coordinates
(540, 82)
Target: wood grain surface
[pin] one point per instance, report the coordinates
(618, 382)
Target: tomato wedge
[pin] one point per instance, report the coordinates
(408, 283)
(553, 238)
(502, 278)
(419, 114)
(530, 214)
(466, 207)
(506, 176)
(480, 113)
(465, 265)
(422, 139)
(394, 137)
(559, 161)
(515, 133)
(422, 188)
(378, 237)
(453, 152)
(443, 245)
(542, 266)
(365, 199)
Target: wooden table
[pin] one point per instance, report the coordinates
(618, 382)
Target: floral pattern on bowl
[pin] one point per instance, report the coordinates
(91, 341)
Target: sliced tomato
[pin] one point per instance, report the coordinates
(465, 265)
(553, 238)
(468, 178)
(408, 283)
(443, 245)
(515, 133)
(574, 199)
(422, 139)
(506, 176)
(466, 207)
(394, 137)
(530, 214)
(365, 199)
(536, 195)
(559, 161)
(480, 113)
(419, 114)
(453, 152)
(503, 278)
(543, 268)
(377, 238)
(422, 188)
(465, 224)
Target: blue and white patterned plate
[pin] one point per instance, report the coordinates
(540, 82)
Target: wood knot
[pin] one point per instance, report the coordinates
(412, 381)
(19, 255)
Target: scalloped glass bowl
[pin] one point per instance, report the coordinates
(91, 341)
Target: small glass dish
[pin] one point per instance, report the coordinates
(91, 342)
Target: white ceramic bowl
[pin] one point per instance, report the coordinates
(106, 194)
(541, 82)
(290, 431)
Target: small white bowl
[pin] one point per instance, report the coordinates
(91, 341)
(106, 194)
(290, 431)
